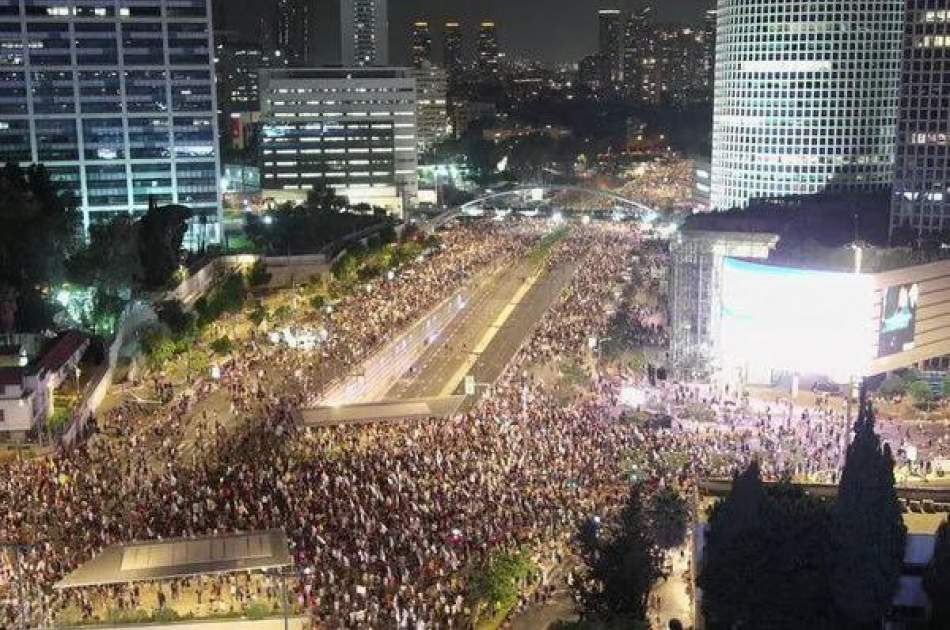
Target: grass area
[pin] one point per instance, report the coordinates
(495, 586)
(547, 244)
(239, 243)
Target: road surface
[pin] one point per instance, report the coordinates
(483, 339)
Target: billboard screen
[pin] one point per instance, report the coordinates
(898, 319)
(795, 319)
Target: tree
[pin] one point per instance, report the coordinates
(306, 228)
(668, 516)
(921, 394)
(766, 561)
(498, 582)
(868, 530)
(324, 199)
(161, 232)
(892, 386)
(257, 275)
(622, 565)
(110, 262)
(937, 579)
(39, 230)
(733, 552)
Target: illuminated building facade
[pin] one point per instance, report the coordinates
(432, 117)
(352, 129)
(452, 54)
(294, 31)
(611, 43)
(805, 101)
(116, 98)
(921, 199)
(489, 53)
(420, 39)
(364, 32)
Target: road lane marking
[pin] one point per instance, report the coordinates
(489, 334)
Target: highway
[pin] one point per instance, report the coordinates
(483, 339)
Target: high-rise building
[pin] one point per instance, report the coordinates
(452, 56)
(420, 39)
(236, 65)
(709, 46)
(921, 200)
(593, 73)
(489, 53)
(364, 32)
(116, 99)
(611, 43)
(805, 101)
(636, 51)
(675, 69)
(293, 32)
(353, 129)
(432, 117)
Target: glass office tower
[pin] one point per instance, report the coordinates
(116, 98)
(805, 97)
(921, 201)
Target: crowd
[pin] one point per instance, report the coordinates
(387, 522)
(77, 502)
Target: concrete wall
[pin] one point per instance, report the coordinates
(135, 316)
(377, 374)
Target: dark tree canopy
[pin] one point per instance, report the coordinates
(623, 563)
(868, 530)
(668, 516)
(111, 259)
(307, 228)
(161, 232)
(937, 579)
(39, 230)
(766, 561)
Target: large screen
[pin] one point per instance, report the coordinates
(795, 319)
(898, 319)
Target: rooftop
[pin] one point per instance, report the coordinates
(182, 557)
(62, 349)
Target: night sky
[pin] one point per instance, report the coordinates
(550, 30)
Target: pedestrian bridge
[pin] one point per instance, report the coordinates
(528, 194)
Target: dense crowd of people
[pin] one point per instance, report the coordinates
(388, 521)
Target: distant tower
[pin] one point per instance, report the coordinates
(453, 57)
(420, 38)
(489, 52)
(293, 31)
(364, 32)
(611, 40)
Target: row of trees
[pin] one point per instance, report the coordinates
(307, 228)
(777, 557)
(42, 248)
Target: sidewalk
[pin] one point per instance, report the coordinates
(670, 598)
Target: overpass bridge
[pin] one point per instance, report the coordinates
(528, 194)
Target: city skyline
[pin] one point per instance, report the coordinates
(553, 31)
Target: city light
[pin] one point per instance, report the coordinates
(632, 396)
(796, 319)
